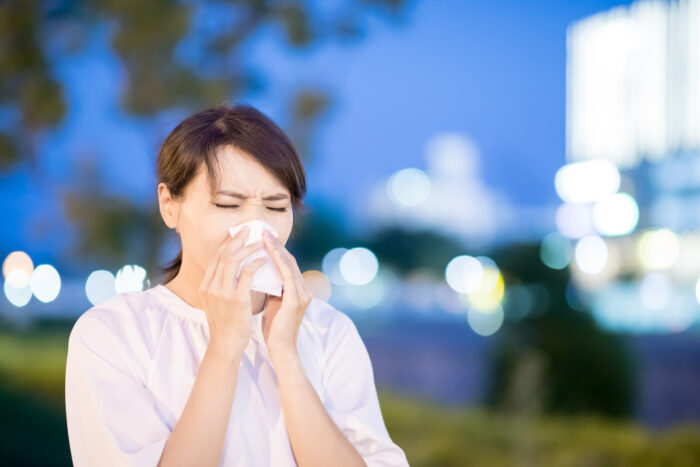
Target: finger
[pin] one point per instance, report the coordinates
(231, 264)
(301, 289)
(235, 242)
(247, 274)
(285, 271)
(228, 242)
(289, 259)
(213, 264)
(276, 241)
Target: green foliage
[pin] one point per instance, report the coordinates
(584, 368)
(432, 434)
(32, 368)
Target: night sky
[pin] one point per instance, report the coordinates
(492, 70)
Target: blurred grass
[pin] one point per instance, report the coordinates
(33, 432)
(432, 434)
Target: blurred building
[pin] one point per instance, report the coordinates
(629, 224)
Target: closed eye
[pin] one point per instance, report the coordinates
(232, 206)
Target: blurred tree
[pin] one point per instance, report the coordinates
(177, 56)
(406, 250)
(584, 369)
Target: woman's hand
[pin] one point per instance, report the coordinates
(283, 315)
(226, 300)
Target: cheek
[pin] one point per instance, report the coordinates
(202, 232)
(283, 224)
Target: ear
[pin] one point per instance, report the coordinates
(168, 206)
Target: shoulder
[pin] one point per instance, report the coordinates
(122, 314)
(330, 324)
(128, 324)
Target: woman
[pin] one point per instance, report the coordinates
(203, 371)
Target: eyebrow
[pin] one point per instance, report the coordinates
(235, 194)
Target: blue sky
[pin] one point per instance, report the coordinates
(493, 70)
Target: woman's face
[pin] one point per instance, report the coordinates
(246, 191)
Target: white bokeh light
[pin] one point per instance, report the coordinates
(591, 254)
(616, 215)
(409, 187)
(575, 220)
(464, 273)
(331, 266)
(100, 286)
(587, 181)
(655, 291)
(358, 266)
(130, 278)
(18, 296)
(46, 283)
(490, 276)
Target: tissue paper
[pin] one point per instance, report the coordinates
(266, 278)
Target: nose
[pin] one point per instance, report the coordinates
(254, 209)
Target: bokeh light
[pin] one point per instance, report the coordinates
(46, 283)
(130, 278)
(331, 266)
(658, 249)
(591, 254)
(575, 220)
(368, 295)
(485, 324)
(616, 215)
(556, 251)
(358, 266)
(464, 274)
(489, 295)
(18, 261)
(519, 302)
(408, 187)
(587, 181)
(100, 286)
(18, 296)
(319, 284)
(655, 291)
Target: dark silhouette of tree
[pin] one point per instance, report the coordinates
(581, 367)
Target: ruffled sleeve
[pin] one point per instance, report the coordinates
(351, 396)
(111, 416)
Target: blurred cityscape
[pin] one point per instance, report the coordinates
(567, 285)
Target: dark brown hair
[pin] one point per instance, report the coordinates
(195, 141)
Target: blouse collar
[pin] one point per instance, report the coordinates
(182, 308)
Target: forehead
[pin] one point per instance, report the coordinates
(241, 172)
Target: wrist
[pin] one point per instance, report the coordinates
(286, 363)
(224, 351)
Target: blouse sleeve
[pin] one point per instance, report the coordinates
(110, 415)
(351, 397)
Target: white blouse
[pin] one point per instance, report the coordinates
(132, 361)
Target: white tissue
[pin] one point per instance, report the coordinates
(266, 278)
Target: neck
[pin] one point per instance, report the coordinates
(186, 285)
